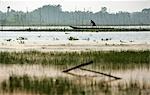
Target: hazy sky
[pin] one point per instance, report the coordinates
(71, 5)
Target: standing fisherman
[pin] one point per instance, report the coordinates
(93, 23)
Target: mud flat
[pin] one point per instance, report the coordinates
(72, 46)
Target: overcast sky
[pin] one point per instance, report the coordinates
(71, 5)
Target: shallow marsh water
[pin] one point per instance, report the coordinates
(31, 79)
(50, 80)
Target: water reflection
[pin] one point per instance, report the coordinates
(49, 80)
(66, 86)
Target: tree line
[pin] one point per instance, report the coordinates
(53, 15)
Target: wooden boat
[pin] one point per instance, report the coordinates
(90, 27)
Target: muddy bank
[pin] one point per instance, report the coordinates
(74, 47)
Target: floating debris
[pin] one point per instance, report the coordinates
(107, 39)
(22, 38)
(67, 33)
(122, 41)
(39, 36)
(8, 40)
(55, 39)
(85, 64)
(131, 41)
(72, 38)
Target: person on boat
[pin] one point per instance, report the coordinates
(93, 23)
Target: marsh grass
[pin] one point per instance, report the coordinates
(48, 86)
(66, 86)
(104, 60)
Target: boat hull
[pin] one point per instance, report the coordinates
(93, 27)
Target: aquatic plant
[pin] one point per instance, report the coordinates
(66, 86)
(48, 86)
(101, 59)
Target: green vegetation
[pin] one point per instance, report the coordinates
(62, 85)
(103, 60)
(66, 86)
(48, 86)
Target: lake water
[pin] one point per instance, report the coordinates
(67, 27)
(42, 37)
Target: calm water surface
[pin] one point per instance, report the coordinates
(137, 37)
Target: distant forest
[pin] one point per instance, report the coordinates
(53, 15)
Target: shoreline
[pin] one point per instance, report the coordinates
(74, 48)
(78, 30)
